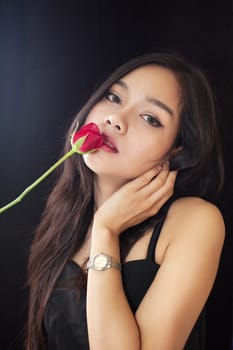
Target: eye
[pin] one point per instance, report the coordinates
(112, 97)
(150, 119)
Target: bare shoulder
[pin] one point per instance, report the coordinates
(196, 218)
(194, 203)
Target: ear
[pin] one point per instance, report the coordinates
(175, 159)
(175, 151)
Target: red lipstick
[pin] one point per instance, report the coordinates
(109, 144)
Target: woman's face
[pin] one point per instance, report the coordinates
(139, 116)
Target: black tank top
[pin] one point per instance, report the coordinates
(65, 315)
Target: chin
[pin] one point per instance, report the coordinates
(110, 168)
(107, 172)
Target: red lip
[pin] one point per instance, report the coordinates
(109, 143)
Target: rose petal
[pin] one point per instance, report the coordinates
(94, 139)
(92, 142)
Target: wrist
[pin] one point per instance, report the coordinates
(103, 240)
(102, 223)
(103, 230)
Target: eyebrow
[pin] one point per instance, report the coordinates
(160, 104)
(152, 100)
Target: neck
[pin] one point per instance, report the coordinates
(104, 187)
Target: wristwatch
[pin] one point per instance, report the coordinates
(101, 262)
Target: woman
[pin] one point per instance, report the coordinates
(137, 215)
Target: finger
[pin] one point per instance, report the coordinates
(157, 198)
(166, 165)
(151, 204)
(157, 181)
(145, 178)
(166, 191)
(160, 173)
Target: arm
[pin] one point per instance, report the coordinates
(111, 324)
(186, 275)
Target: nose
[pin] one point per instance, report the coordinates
(119, 125)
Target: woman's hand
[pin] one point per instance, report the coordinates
(136, 201)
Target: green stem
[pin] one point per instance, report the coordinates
(40, 179)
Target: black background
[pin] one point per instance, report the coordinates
(52, 55)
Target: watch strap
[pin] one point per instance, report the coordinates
(111, 262)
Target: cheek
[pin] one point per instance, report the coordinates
(96, 114)
(151, 147)
(156, 148)
(90, 117)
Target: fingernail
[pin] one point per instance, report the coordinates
(158, 167)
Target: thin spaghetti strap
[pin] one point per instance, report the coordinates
(153, 241)
(156, 232)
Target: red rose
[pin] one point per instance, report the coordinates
(88, 137)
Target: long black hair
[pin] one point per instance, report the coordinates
(69, 208)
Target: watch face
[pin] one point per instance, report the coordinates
(100, 262)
